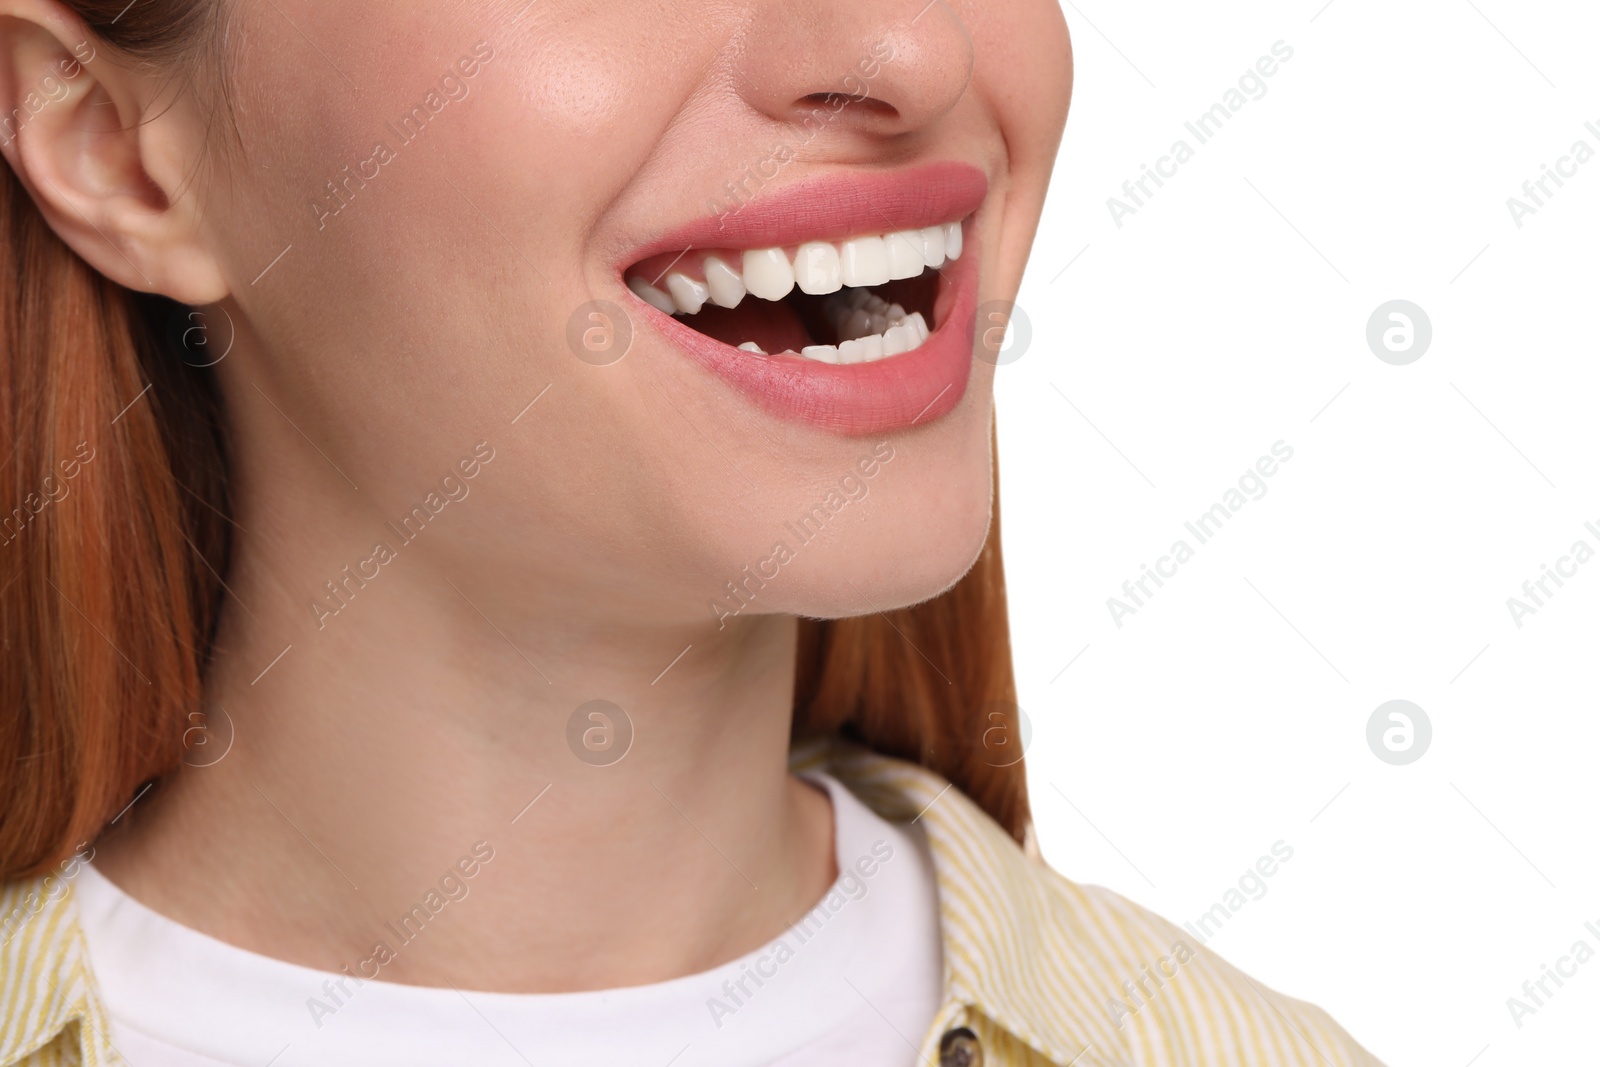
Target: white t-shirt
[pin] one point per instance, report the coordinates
(857, 980)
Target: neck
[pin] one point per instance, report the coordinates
(432, 727)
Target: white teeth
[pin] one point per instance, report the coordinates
(896, 339)
(821, 353)
(864, 261)
(768, 273)
(816, 268)
(905, 254)
(651, 295)
(919, 327)
(868, 327)
(952, 240)
(688, 294)
(725, 283)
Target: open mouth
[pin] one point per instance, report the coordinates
(859, 300)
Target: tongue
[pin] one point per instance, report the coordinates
(776, 327)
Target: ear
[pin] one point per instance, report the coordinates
(112, 172)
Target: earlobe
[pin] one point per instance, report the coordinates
(81, 134)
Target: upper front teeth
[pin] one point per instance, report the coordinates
(768, 273)
(726, 284)
(865, 261)
(817, 268)
(933, 246)
(906, 253)
(687, 294)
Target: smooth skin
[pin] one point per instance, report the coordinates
(419, 321)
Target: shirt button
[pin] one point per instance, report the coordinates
(960, 1048)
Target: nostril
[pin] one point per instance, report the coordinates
(837, 102)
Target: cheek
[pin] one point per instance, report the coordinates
(554, 123)
(441, 285)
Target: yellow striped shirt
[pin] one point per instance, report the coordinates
(1038, 971)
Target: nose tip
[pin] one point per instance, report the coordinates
(879, 67)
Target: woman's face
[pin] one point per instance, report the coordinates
(444, 212)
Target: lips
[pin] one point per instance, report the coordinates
(846, 303)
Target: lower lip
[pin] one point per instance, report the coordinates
(896, 393)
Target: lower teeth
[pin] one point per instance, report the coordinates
(868, 328)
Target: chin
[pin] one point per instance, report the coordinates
(898, 554)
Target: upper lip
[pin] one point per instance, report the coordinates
(833, 207)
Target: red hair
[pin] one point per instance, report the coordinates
(932, 684)
(114, 537)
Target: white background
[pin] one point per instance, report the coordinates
(1229, 313)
